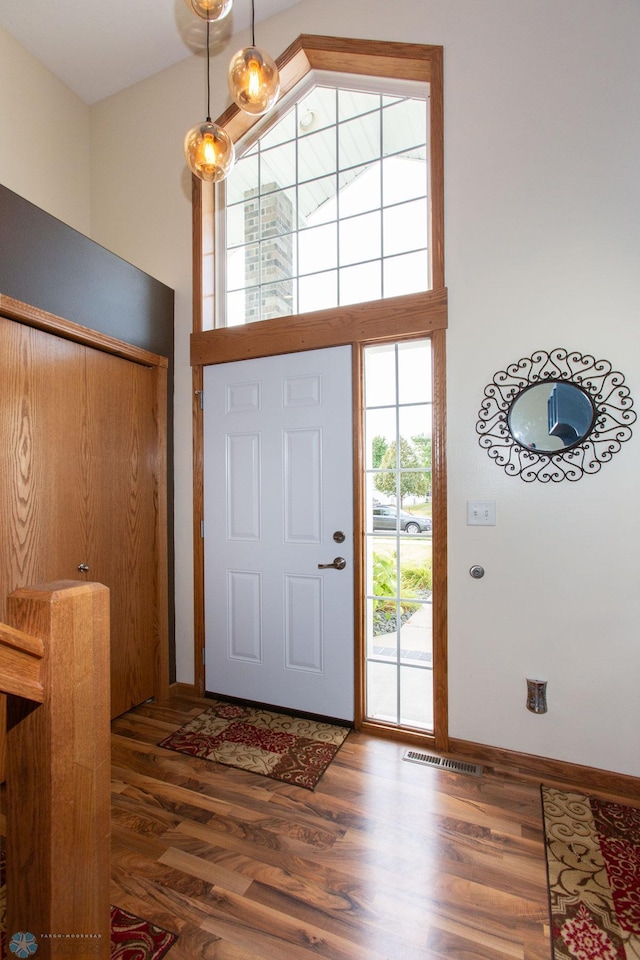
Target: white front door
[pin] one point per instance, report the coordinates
(278, 496)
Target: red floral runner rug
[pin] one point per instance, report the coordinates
(136, 939)
(291, 749)
(131, 937)
(593, 865)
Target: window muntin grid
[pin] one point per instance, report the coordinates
(329, 207)
(398, 436)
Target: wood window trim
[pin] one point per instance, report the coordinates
(408, 317)
(403, 61)
(31, 316)
(398, 318)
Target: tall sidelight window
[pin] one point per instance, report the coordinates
(329, 206)
(398, 406)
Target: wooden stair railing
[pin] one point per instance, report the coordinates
(54, 667)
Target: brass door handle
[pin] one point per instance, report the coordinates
(338, 564)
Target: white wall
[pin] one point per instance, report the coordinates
(141, 209)
(44, 137)
(542, 167)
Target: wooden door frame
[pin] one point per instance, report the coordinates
(421, 315)
(28, 315)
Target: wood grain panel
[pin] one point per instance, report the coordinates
(397, 318)
(42, 320)
(120, 516)
(39, 411)
(21, 658)
(163, 539)
(436, 148)
(37, 414)
(440, 542)
(58, 864)
(83, 480)
(408, 61)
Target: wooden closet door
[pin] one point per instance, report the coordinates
(42, 467)
(83, 481)
(42, 427)
(122, 448)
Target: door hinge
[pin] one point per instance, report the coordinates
(202, 529)
(200, 396)
(203, 656)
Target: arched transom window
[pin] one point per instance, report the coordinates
(336, 196)
(328, 206)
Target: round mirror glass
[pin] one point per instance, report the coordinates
(551, 416)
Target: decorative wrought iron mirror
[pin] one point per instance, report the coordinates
(555, 416)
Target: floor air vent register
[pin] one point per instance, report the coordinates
(455, 766)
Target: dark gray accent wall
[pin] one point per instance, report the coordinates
(51, 266)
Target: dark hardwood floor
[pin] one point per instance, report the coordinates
(385, 860)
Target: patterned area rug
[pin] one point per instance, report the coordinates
(593, 863)
(136, 939)
(276, 745)
(131, 937)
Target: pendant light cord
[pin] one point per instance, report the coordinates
(208, 78)
(253, 23)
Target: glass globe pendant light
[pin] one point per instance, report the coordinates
(254, 81)
(209, 152)
(208, 149)
(210, 9)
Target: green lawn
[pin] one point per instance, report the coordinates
(421, 509)
(415, 550)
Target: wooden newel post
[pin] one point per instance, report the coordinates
(58, 776)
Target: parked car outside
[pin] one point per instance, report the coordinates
(386, 518)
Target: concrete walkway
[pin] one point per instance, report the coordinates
(416, 637)
(415, 686)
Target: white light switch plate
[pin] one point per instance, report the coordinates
(481, 513)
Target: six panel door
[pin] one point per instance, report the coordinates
(278, 495)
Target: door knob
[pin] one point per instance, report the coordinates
(83, 567)
(338, 564)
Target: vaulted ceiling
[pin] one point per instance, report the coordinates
(98, 47)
